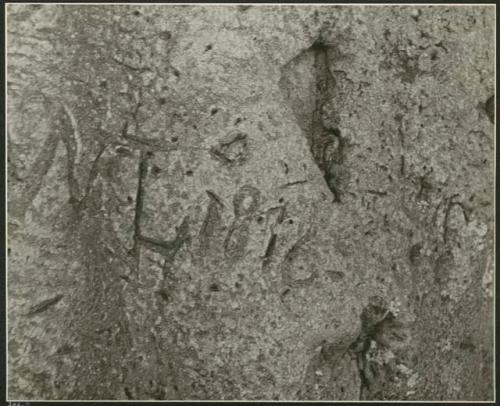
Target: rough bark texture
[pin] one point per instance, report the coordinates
(250, 202)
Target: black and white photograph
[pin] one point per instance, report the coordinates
(250, 202)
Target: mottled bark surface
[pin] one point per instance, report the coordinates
(250, 202)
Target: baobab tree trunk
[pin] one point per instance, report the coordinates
(250, 202)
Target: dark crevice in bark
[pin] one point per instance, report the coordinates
(489, 108)
(326, 143)
(139, 201)
(379, 327)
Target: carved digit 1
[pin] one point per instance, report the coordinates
(245, 204)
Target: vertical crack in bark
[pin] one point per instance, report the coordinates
(327, 143)
(321, 129)
(139, 202)
(399, 118)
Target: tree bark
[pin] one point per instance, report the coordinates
(250, 202)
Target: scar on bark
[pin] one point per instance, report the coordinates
(379, 325)
(326, 144)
